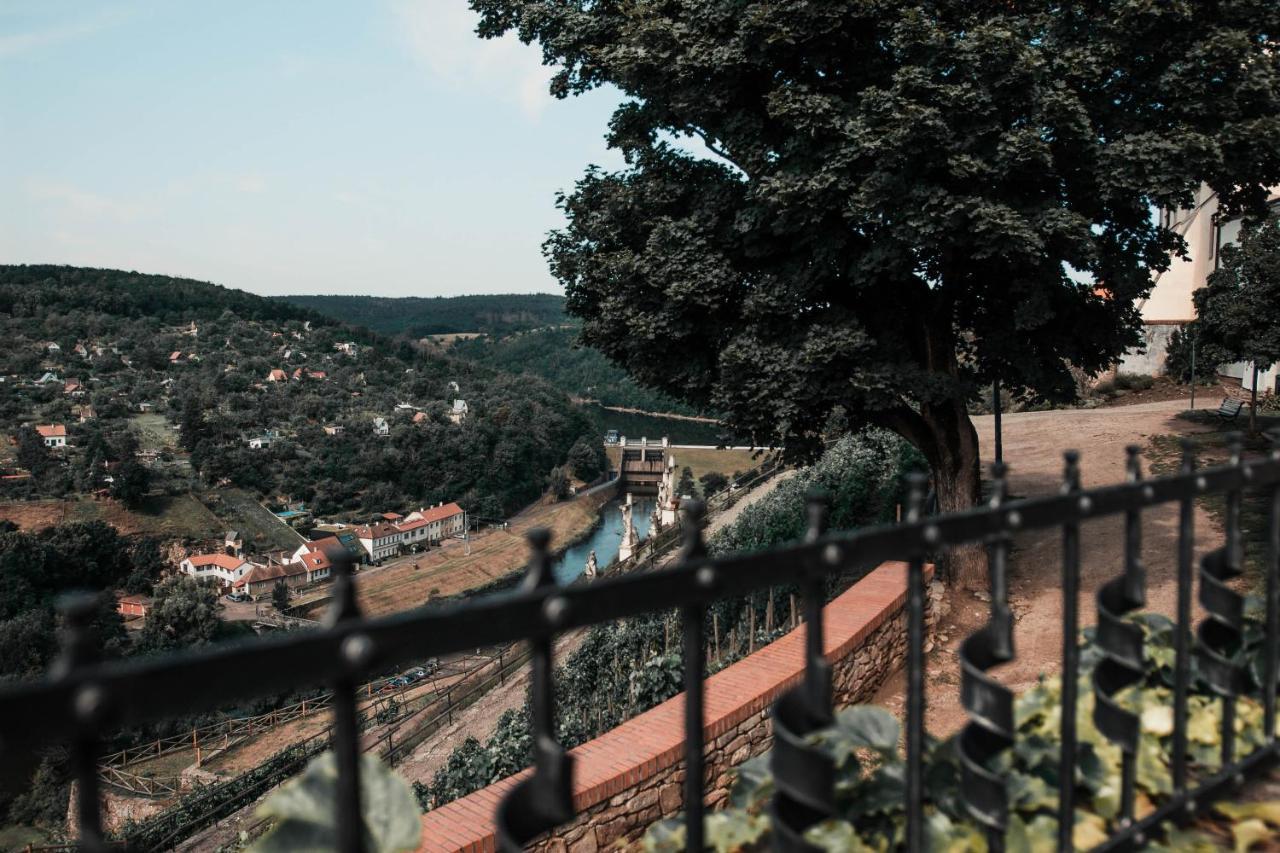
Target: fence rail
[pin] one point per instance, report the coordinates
(83, 698)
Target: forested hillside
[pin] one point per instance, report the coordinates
(417, 317)
(120, 359)
(551, 353)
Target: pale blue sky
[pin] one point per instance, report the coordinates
(344, 146)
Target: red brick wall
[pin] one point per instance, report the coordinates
(630, 776)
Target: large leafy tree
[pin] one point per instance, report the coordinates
(1238, 310)
(892, 203)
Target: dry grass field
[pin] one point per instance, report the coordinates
(179, 516)
(449, 570)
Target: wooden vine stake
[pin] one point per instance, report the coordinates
(715, 632)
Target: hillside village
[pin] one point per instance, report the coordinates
(239, 439)
(241, 574)
(256, 394)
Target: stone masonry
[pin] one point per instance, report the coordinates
(631, 776)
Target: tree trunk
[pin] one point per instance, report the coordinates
(945, 435)
(1253, 405)
(957, 482)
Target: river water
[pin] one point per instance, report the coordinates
(605, 539)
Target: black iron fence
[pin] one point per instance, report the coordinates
(82, 699)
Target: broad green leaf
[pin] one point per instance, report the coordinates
(305, 813)
(1268, 811)
(733, 830)
(946, 836)
(1248, 833)
(1183, 841)
(665, 836)
(1038, 835)
(836, 836)
(753, 784)
(868, 727)
(1029, 793)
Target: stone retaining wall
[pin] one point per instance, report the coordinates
(631, 776)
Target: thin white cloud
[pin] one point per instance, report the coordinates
(441, 34)
(83, 201)
(34, 39)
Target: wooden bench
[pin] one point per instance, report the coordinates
(1230, 408)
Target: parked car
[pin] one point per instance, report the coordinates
(237, 596)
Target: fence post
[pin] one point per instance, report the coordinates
(1070, 658)
(915, 677)
(1271, 655)
(1182, 661)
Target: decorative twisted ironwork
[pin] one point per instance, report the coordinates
(544, 799)
(804, 774)
(988, 703)
(83, 699)
(1220, 632)
(1121, 643)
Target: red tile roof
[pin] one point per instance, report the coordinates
(381, 530)
(274, 571)
(439, 513)
(225, 561)
(315, 558)
(52, 430)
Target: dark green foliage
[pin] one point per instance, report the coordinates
(130, 483)
(558, 483)
(586, 458)
(1133, 381)
(1178, 356)
(556, 355)
(686, 485)
(184, 613)
(623, 669)
(417, 317)
(1238, 309)
(712, 482)
(44, 802)
(32, 454)
(517, 428)
(148, 564)
(35, 569)
(280, 596)
(892, 198)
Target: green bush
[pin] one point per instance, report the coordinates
(625, 668)
(1177, 362)
(863, 743)
(1133, 381)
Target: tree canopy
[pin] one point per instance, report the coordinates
(884, 205)
(1238, 309)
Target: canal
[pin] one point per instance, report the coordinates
(605, 539)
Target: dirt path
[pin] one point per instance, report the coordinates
(1033, 447)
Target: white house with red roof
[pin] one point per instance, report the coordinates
(437, 522)
(262, 580)
(380, 540)
(313, 558)
(54, 435)
(222, 567)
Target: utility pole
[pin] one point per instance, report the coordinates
(995, 409)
